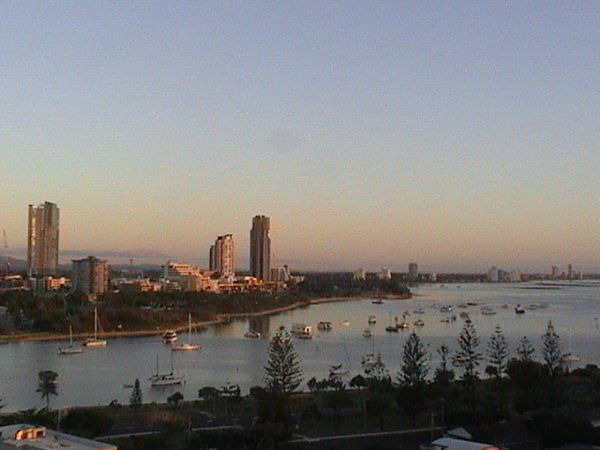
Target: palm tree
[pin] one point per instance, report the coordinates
(47, 385)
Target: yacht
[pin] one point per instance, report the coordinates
(368, 361)
(372, 320)
(301, 331)
(165, 379)
(324, 326)
(338, 370)
(95, 342)
(70, 350)
(252, 334)
(169, 336)
(187, 346)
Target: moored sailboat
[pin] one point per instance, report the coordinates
(95, 342)
(70, 350)
(185, 347)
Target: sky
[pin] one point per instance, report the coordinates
(459, 134)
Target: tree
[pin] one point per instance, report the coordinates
(136, 395)
(443, 374)
(467, 357)
(47, 385)
(175, 398)
(551, 350)
(525, 350)
(283, 372)
(497, 354)
(414, 366)
(86, 422)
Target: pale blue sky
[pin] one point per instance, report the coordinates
(456, 134)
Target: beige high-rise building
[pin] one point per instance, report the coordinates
(222, 256)
(260, 248)
(413, 271)
(42, 239)
(90, 275)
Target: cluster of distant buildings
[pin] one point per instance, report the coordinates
(91, 275)
(496, 275)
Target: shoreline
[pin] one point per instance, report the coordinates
(220, 319)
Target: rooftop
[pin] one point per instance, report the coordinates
(34, 437)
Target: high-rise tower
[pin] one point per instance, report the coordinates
(222, 256)
(42, 239)
(260, 248)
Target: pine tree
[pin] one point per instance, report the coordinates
(525, 350)
(283, 372)
(497, 353)
(467, 357)
(443, 374)
(415, 366)
(551, 350)
(136, 395)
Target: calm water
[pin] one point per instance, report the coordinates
(97, 376)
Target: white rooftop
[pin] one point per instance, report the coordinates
(448, 443)
(31, 437)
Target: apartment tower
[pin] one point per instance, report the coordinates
(42, 239)
(90, 275)
(260, 248)
(221, 256)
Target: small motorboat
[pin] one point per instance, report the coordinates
(169, 336)
(367, 333)
(372, 320)
(324, 326)
(488, 311)
(472, 303)
(419, 323)
(419, 311)
(252, 334)
(462, 305)
(446, 309)
(464, 315)
(377, 301)
(391, 329)
(519, 310)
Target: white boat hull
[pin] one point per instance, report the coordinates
(95, 343)
(69, 351)
(185, 348)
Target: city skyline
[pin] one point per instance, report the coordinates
(458, 136)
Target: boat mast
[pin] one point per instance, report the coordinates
(95, 323)
(190, 328)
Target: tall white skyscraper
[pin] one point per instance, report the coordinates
(42, 239)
